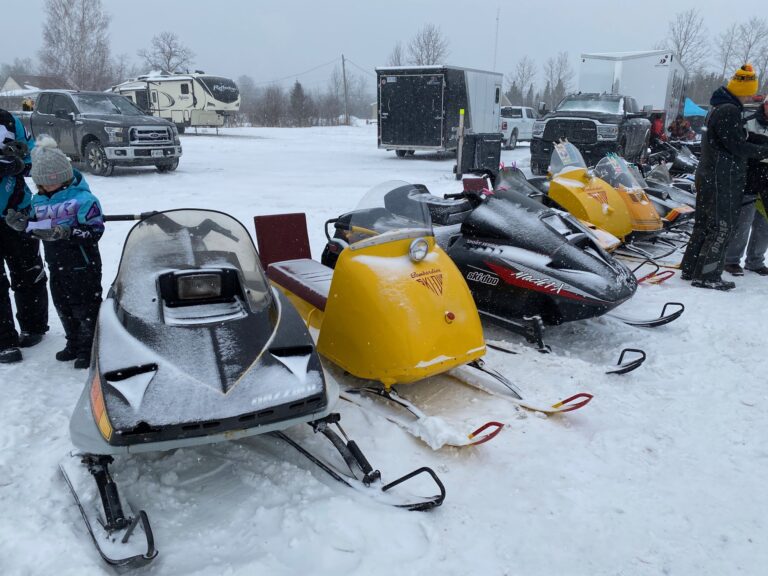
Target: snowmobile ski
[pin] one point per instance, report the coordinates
(121, 539)
(415, 421)
(468, 374)
(620, 368)
(362, 472)
(663, 318)
(655, 276)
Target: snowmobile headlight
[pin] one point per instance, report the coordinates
(198, 286)
(418, 249)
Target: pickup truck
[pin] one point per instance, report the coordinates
(596, 124)
(105, 130)
(517, 124)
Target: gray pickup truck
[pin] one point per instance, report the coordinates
(105, 130)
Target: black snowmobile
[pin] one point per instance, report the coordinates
(194, 347)
(527, 265)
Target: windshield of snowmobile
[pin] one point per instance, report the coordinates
(638, 175)
(615, 170)
(389, 212)
(592, 103)
(565, 157)
(660, 173)
(186, 239)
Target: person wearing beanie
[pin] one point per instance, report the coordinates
(19, 252)
(720, 180)
(67, 217)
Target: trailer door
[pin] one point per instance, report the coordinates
(411, 110)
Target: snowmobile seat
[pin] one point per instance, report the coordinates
(281, 237)
(306, 278)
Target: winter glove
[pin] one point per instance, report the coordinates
(16, 220)
(59, 232)
(15, 148)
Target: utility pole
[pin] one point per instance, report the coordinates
(346, 104)
(496, 40)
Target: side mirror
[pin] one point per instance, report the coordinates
(648, 108)
(542, 108)
(64, 115)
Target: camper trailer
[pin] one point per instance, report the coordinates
(188, 100)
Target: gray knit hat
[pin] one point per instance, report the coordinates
(49, 164)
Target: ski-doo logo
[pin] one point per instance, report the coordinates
(483, 278)
(431, 279)
(598, 194)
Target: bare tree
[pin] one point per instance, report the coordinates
(687, 38)
(123, 68)
(19, 66)
(525, 72)
(76, 43)
(559, 76)
(752, 37)
(396, 57)
(167, 53)
(428, 46)
(726, 45)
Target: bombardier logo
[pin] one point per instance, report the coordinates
(598, 194)
(431, 279)
(483, 278)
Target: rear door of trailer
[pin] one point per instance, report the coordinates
(411, 110)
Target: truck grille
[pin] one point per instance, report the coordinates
(576, 131)
(150, 135)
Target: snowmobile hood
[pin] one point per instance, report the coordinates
(191, 332)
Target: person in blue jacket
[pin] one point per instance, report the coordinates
(67, 217)
(20, 252)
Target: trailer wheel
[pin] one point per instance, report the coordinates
(411, 152)
(96, 159)
(512, 142)
(401, 153)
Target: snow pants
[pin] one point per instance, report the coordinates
(76, 294)
(717, 211)
(752, 227)
(21, 253)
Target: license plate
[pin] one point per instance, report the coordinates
(156, 153)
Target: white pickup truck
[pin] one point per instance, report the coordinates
(517, 124)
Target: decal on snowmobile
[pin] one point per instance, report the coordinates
(483, 278)
(597, 193)
(432, 279)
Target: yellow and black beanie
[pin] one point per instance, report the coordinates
(743, 82)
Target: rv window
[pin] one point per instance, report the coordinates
(154, 96)
(498, 93)
(185, 88)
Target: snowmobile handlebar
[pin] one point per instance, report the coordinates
(127, 217)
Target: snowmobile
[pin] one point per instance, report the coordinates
(194, 347)
(393, 310)
(526, 265)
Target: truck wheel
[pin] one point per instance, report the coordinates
(401, 153)
(167, 166)
(180, 128)
(512, 142)
(96, 159)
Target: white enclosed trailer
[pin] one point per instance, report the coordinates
(653, 78)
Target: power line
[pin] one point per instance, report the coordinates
(290, 76)
(363, 70)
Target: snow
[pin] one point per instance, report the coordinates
(663, 473)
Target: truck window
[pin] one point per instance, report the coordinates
(44, 104)
(511, 112)
(185, 88)
(62, 102)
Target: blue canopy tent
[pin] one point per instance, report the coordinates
(691, 109)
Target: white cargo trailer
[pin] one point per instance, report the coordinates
(653, 78)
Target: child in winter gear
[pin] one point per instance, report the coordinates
(67, 217)
(20, 252)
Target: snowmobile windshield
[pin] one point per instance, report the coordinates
(388, 212)
(615, 170)
(638, 175)
(187, 240)
(565, 157)
(660, 173)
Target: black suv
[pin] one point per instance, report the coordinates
(104, 130)
(596, 124)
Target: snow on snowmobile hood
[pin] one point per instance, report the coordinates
(191, 300)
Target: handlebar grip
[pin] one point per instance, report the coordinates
(453, 196)
(127, 217)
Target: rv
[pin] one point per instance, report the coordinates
(188, 100)
(419, 106)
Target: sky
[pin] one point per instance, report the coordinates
(273, 40)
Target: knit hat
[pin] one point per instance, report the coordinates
(743, 82)
(49, 164)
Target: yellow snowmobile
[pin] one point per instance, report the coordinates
(394, 309)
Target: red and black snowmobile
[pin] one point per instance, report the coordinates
(527, 265)
(195, 347)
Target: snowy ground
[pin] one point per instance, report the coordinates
(664, 473)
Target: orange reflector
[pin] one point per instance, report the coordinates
(98, 408)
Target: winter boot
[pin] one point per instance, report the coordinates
(10, 355)
(82, 363)
(66, 355)
(763, 270)
(734, 269)
(717, 284)
(29, 339)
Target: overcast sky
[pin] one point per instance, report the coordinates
(282, 39)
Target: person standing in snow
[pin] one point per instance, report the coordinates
(720, 181)
(19, 252)
(67, 217)
(752, 225)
